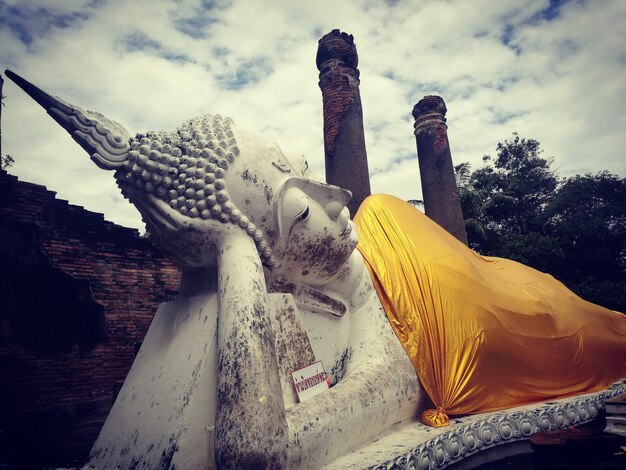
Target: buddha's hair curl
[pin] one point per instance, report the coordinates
(186, 169)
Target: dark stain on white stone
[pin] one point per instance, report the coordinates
(338, 370)
(168, 453)
(247, 176)
(269, 194)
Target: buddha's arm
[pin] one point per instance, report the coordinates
(251, 428)
(380, 388)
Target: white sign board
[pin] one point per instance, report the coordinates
(310, 380)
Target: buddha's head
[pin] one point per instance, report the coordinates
(208, 180)
(211, 177)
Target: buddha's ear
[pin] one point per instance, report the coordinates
(106, 141)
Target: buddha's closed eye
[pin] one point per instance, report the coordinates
(300, 217)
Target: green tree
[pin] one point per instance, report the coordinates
(6, 161)
(475, 203)
(588, 217)
(506, 201)
(574, 228)
(417, 203)
(1, 106)
(520, 173)
(462, 175)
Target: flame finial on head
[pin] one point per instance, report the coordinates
(106, 141)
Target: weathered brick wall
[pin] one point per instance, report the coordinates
(71, 392)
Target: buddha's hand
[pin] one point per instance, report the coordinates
(190, 241)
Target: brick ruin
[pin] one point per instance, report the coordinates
(344, 137)
(439, 188)
(78, 296)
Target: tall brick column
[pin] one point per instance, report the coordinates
(441, 197)
(344, 139)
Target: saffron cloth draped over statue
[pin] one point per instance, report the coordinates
(483, 333)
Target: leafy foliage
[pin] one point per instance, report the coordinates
(574, 228)
(6, 161)
(417, 203)
(588, 216)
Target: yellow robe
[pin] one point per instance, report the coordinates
(483, 333)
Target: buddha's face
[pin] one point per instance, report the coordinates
(316, 235)
(307, 224)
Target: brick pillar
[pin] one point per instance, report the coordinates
(441, 196)
(344, 139)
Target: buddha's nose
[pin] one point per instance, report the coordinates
(337, 205)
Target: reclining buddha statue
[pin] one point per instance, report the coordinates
(407, 321)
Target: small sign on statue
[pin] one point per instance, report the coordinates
(310, 380)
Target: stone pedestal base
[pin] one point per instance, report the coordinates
(414, 445)
(616, 415)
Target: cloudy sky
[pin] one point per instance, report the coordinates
(548, 69)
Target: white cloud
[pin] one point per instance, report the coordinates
(501, 67)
